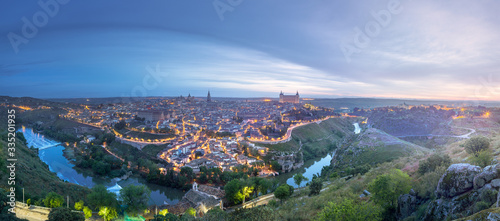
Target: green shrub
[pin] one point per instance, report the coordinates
(87, 212)
(53, 200)
(477, 144)
(315, 186)
(410, 218)
(434, 161)
(421, 210)
(482, 158)
(426, 184)
(272, 203)
(481, 206)
(489, 196)
(79, 205)
(62, 213)
(386, 188)
(350, 210)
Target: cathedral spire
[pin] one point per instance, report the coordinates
(209, 98)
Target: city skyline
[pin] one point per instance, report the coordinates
(442, 50)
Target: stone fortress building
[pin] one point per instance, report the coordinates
(289, 98)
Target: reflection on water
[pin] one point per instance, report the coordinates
(51, 152)
(310, 167)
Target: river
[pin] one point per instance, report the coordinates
(51, 152)
(357, 129)
(310, 167)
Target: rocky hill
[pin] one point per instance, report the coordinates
(463, 190)
(408, 122)
(372, 147)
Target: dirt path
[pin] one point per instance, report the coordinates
(31, 214)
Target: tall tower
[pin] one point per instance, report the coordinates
(209, 99)
(281, 97)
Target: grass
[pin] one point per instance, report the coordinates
(303, 207)
(153, 150)
(373, 147)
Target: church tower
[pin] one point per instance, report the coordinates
(209, 99)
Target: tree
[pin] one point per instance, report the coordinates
(62, 213)
(163, 212)
(315, 187)
(299, 178)
(187, 172)
(386, 188)
(432, 162)
(245, 192)
(347, 210)
(290, 190)
(215, 214)
(135, 198)
(108, 213)
(53, 200)
(283, 192)
(203, 177)
(275, 165)
(100, 197)
(476, 145)
(232, 188)
(191, 211)
(166, 217)
(120, 125)
(264, 186)
(79, 205)
(87, 212)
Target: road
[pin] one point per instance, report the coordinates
(288, 134)
(31, 213)
(264, 200)
(465, 136)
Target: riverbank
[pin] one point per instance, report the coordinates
(65, 170)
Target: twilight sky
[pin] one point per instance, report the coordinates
(251, 48)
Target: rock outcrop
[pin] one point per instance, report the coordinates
(407, 204)
(458, 179)
(460, 188)
(489, 173)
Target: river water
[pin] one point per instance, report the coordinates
(51, 152)
(310, 167)
(357, 129)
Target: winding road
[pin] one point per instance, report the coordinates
(465, 136)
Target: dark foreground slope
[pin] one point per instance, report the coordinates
(31, 173)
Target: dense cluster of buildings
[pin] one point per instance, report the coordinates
(199, 132)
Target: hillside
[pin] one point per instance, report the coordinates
(315, 140)
(33, 174)
(373, 147)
